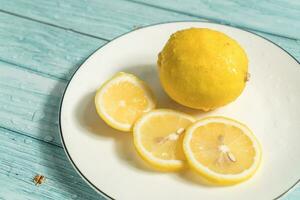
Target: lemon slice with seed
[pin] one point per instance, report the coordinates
(122, 100)
(222, 150)
(158, 138)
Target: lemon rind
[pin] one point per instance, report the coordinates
(119, 77)
(160, 164)
(214, 177)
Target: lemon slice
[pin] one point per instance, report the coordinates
(158, 138)
(122, 100)
(222, 150)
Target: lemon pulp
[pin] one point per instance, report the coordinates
(222, 150)
(122, 100)
(158, 138)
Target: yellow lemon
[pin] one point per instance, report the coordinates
(202, 68)
(122, 100)
(158, 138)
(222, 150)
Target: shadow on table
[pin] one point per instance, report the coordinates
(87, 117)
(60, 171)
(90, 121)
(149, 74)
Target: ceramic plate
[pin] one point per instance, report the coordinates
(106, 158)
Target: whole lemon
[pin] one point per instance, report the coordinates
(202, 68)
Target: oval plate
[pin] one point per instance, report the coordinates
(106, 158)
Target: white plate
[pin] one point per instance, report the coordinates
(106, 159)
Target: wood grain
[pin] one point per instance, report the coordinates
(277, 17)
(44, 49)
(104, 19)
(29, 103)
(22, 158)
(56, 52)
(107, 19)
(43, 42)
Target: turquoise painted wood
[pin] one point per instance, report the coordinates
(23, 157)
(104, 19)
(69, 46)
(29, 103)
(45, 49)
(280, 17)
(57, 57)
(43, 42)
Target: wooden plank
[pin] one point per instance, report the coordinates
(291, 46)
(22, 158)
(55, 52)
(44, 49)
(105, 19)
(42, 96)
(29, 103)
(276, 17)
(294, 194)
(108, 19)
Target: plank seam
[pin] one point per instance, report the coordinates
(209, 19)
(18, 66)
(53, 25)
(153, 6)
(33, 92)
(28, 136)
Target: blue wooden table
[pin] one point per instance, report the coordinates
(43, 42)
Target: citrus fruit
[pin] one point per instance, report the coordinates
(158, 138)
(202, 68)
(222, 150)
(122, 100)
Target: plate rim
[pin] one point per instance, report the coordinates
(128, 32)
